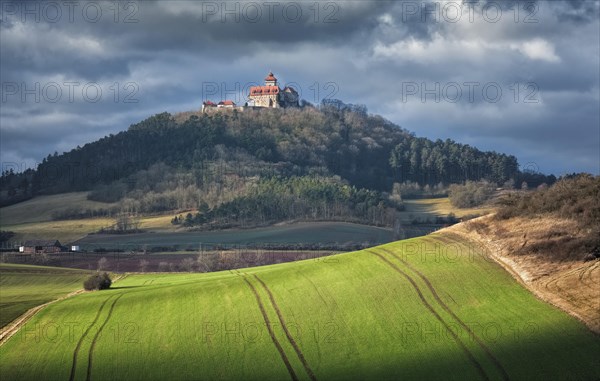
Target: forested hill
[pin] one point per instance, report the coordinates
(224, 152)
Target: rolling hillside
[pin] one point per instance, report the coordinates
(253, 169)
(433, 307)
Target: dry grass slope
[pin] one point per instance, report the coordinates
(530, 248)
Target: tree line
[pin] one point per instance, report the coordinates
(174, 162)
(301, 198)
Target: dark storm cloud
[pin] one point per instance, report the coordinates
(579, 11)
(169, 51)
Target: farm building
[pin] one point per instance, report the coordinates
(39, 246)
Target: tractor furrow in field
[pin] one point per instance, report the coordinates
(554, 286)
(428, 306)
(586, 275)
(472, 334)
(309, 371)
(78, 346)
(261, 307)
(95, 339)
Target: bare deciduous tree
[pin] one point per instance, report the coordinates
(187, 264)
(102, 262)
(144, 265)
(207, 261)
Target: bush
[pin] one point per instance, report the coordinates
(573, 197)
(97, 282)
(471, 194)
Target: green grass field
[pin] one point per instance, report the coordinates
(24, 286)
(425, 308)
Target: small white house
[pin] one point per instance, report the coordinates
(75, 248)
(21, 249)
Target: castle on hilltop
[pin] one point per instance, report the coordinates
(268, 96)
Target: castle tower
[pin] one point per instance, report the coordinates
(271, 96)
(270, 80)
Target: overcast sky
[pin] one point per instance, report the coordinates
(522, 79)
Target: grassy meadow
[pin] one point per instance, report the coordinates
(425, 308)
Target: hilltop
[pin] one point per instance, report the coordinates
(269, 165)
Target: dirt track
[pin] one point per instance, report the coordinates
(309, 371)
(12, 328)
(261, 306)
(95, 339)
(472, 334)
(428, 306)
(78, 346)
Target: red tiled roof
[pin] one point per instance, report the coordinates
(270, 77)
(227, 103)
(264, 90)
(208, 103)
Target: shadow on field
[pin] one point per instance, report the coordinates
(124, 287)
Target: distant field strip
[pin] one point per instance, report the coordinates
(462, 345)
(301, 232)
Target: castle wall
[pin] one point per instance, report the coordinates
(263, 100)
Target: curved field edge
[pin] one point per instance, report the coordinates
(349, 316)
(24, 287)
(571, 285)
